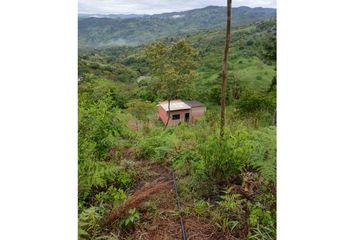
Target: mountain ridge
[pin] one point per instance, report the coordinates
(134, 15)
(136, 30)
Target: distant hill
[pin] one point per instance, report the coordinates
(133, 30)
(122, 16)
(252, 58)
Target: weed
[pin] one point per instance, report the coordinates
(132, 217)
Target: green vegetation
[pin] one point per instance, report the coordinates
(116, 31)
(172, 69)
(227, 186)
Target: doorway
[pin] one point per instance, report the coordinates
(186, 117)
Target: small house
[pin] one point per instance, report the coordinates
(180, 111)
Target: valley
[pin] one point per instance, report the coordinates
(128, 159)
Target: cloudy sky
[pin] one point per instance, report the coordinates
(160, 6)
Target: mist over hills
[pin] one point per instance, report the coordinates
(98, 30)
(100, 15)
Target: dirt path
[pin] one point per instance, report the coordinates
(159, 218)
(155, 198)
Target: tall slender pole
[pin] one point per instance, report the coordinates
(168, 113)
(224, 68)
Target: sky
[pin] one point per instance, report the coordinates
(160, 6)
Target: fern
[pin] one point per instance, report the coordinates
(88, 225)
(265, 140)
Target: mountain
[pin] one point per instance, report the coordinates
(122, 16)
(132, 31)
(252, 54)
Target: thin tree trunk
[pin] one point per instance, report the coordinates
(168, 114)
(224, 68)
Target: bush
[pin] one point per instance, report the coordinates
(97, 176)
(222, 160)
(262, 218)
(219, 162)
(259, 215)
(97, 89)
(262, 222)
(157, 146)
(265, 142)
(100, 125)
(89, 222)
(132, 217)
(201, 208)
(112, 195)
(229, 212)
(257, 106)
(255, 102)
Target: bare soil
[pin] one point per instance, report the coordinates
(153, 195)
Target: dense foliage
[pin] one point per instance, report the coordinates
(229, 183)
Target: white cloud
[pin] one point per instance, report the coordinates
(160, 6)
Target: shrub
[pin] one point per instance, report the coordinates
(100, 125)
(263, 224)
(95, 176)
(265, 142)
(222, 160)
(201, 208)
(112, 195)
(257, 106)
(89, 222)
(157, 146)
(251, 102)
(184, 158)
(132, 217)
(229, 212)
(263, 211)
(259, 215)
(219, 162)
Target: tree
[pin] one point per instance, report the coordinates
(234, 83)
(267, 49)
(141, 110)
(172, 68)
(224, 68)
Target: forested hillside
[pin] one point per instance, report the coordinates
(129, 163)
(133, 30)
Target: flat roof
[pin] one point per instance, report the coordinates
(175, 105)
(194, 103)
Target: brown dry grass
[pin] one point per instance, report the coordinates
(136, 199)
(199, 229)
(162, 224)
(165, 223)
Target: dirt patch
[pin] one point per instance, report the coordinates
(162, 224)
(155, 199)
(137, 198)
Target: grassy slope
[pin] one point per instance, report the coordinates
(254, 74)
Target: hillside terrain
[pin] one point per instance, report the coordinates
(255, 67)
(132, 30)
(130, 165)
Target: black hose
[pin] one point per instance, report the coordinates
(184, 233)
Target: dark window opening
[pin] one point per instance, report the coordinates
(186, 117)
(175, 116)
